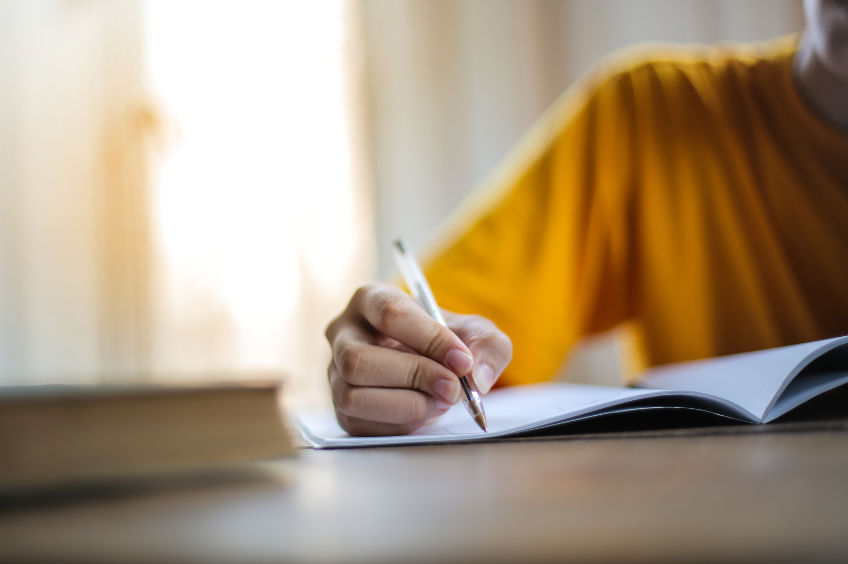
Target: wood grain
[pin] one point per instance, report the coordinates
(747, 495)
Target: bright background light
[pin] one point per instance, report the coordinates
(255, 205)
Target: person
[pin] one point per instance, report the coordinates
(697, 197)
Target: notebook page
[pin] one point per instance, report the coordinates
(805, 388)
(751, 380)
(508, 410)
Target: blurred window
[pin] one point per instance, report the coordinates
(258, 224)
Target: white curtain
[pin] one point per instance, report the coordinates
(74, 223)
(179, 190)
(262, 220)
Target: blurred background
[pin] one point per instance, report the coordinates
(191, 190)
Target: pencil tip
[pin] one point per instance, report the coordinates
(480, 419)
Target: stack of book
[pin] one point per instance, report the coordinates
(53, 436)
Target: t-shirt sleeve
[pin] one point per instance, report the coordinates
(544, 249)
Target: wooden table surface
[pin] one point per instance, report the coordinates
(777, 494)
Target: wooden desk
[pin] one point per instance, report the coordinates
(778, 494)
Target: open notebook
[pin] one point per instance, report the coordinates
(754, 387)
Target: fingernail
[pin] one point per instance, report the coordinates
(460, 362)
(440, 405)
(483, 377)
(448, 390)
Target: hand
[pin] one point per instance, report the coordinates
(395, 368)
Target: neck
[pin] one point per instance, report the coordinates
(822, 89)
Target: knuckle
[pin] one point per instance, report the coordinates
(420, 410)
(497, 343)
(352, 311)
(417, 375)
(353, 363)
(392, 310)
(437, 342)
(330, 330)
(473, 324)
(345, 398)
(348, 424)
(486, 336)
(342, 393)
(362, 292)
(500, 346)
(362, 295)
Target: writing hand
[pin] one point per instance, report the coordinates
(395, 368)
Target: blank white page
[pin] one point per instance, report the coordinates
(751, 380)
(508, 411)
(805, 388)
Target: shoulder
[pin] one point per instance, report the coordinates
(674, 62)
(635, 98)
(663, 89)
(663, 73)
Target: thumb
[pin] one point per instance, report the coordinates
(490, 347)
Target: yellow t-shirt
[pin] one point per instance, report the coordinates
(689, 194)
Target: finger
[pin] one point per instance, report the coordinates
(394, 314)
(383, 405)
(429, 421)
(491, 348)
(362, 363)
(388, 342)
(364, 428)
